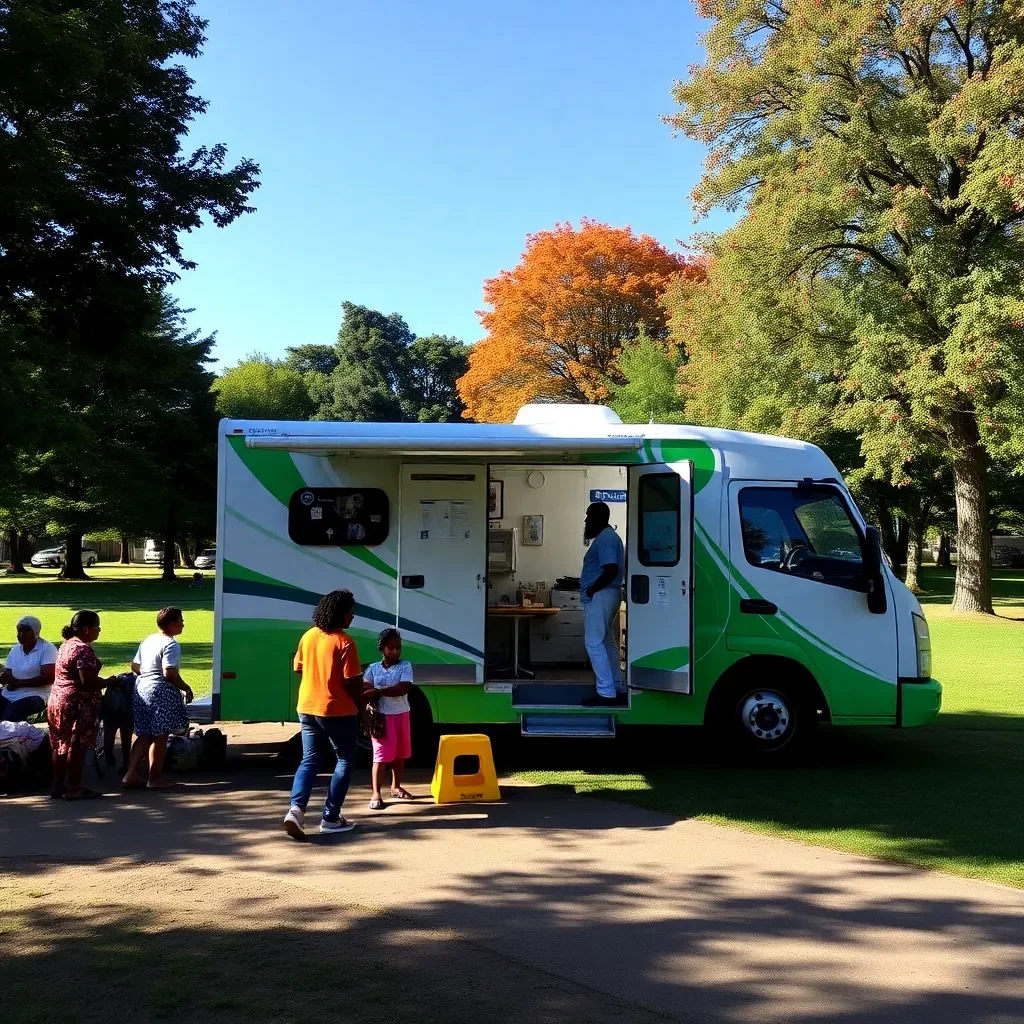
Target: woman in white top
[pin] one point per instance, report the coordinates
(157, 703)
(28, 673)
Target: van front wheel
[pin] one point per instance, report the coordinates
(772, 722)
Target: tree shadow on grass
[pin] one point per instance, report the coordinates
(947, 796)
(108, 595)
(938, 584)
(568, 941)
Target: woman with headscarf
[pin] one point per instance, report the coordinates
(74, 709)
(27, 674)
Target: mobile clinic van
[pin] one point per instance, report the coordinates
(756, 598)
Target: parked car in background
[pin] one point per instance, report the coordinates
(53, 558)
(1008, 552)
(155, 556)
(207, 560)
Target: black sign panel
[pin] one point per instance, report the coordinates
(338, 516)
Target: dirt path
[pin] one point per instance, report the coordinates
(193, 904)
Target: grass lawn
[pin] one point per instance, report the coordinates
(127, 600)
(948, 796)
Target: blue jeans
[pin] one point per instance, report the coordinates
(317, 731)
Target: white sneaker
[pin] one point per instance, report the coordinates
(293, 823)
(341, 825)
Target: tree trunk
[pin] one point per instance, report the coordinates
(902, 541)
(72, 568)
(889, 540)
(170, 544)
(915, 533)
(126, 551)
(943, 559)
(17, 565)
(186, 555)
(973, 589)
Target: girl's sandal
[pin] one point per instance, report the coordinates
(84, 794)
(377, 804)
(402, 794)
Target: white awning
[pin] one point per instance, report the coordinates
(424, 444)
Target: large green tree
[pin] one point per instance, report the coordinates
(384, 373)
(95, 102)
(876, 149)
(648, 391)
(130, 444)
(94, 105)
(261, 388)
(436, 362)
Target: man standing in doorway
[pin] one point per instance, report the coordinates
(601, 596)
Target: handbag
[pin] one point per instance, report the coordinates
(376, 725)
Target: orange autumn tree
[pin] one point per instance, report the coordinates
(558, 321)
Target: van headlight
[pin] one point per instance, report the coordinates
(924, 646)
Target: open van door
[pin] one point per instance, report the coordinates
(659, 578)
(442, 567)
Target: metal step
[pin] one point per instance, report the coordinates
(555, 695)
(590, 726)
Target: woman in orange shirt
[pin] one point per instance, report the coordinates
(332, 682)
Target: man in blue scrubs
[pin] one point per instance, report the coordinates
(601, 596)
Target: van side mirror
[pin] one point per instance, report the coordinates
(873, 577)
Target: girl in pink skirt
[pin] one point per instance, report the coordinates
(388, 683)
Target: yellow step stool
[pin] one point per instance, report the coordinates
(449, 788)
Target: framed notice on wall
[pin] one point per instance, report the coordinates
(533, 531)
(495, 499)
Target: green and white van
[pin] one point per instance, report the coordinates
(756, 598)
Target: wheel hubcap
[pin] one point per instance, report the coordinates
(766, 715)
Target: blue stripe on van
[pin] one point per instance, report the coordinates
(308, 598)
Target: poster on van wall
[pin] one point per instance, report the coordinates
(446, 520)
(338, 516)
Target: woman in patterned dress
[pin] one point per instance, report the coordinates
(159, 699)
(74, 707)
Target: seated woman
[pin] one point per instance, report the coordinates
(157, 704)
(28, 673)
(74, 708)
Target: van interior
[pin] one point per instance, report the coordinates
(534, 632)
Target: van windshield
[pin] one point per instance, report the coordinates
(802, 534)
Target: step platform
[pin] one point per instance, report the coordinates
(555, 695)
(574, 726)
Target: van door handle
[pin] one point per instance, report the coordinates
(752, 606)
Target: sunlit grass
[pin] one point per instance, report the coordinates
(127, 600)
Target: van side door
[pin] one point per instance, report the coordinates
(659, 577)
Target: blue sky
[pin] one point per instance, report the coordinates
(407, 148)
